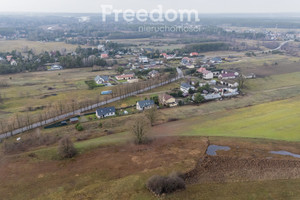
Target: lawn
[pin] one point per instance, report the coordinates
(275, 120)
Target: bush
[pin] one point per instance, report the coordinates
(66, 148)
(28, 141)
(79, 127)
(165, 185)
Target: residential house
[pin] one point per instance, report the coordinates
(228, 74)
(185, 87)
(101, 47)
(190, 66)
(230, 83)
(153, 74)
(216, 60)
(206, 73)
(104, 55)
(249, 76)
(101, 79)
(222, 89)
(143, 59)
(13, 62)
(8, 58)
(145, 104)
(125, 77)
(55, 67)
(167, 100)
(105, 112)
(212, 96)
(211, 82)
(186, 60)
(194, 54)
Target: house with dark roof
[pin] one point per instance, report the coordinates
(216, 60)
(101, 79)
(144, 105)
(105, 112)
(185, 87)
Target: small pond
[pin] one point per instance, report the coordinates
(285, 153)
(212, 149)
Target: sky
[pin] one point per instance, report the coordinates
(203, 6)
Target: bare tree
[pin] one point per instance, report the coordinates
(66, 148)
(241, 81)
(139, 129)
(151, 114)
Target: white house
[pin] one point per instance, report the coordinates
(105, 112)
(230, 83)
(207, 75)
(143, 59)
(13, 62)
(55, 67)
(144, 105)
(101, 79)
(185, 87)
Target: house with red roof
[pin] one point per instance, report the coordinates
(167, 100)
(125, 77)
(194, 54)
(206, 73)
(104, 55)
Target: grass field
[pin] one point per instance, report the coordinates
(276, 120)
(38, 47)
(43, 88)
(110, 166)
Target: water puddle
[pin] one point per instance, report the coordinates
(285, 153)
(212, 149)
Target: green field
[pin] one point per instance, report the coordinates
(276, 120)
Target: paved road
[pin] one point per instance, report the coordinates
(91, 107)
(283, 43)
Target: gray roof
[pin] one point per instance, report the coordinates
(74, 119)
(212, 96)
(216, 59)
(104, 111)
(105, 78)
(186, 85)
(145, 103)
(231, 94)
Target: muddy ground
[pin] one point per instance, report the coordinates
(232, 169)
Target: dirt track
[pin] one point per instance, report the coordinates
(233, 169)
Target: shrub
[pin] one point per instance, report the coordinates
(139, 128)
(165, 185)
(100, 125)
(29, 141)
(79, 127)
(66, 148)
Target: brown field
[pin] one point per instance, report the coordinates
(38, 89)
(38, 47)
(120, 171)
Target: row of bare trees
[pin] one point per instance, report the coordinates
(67, 106)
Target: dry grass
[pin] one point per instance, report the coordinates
(38, 47)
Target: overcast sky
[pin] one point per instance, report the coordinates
(203, 6)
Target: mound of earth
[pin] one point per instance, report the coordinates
(232, 169)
